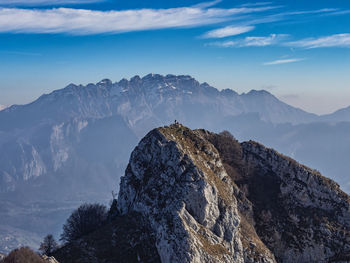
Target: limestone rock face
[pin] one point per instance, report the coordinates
(196, 196)
(177, 180)
(210, 199)
(49, 259)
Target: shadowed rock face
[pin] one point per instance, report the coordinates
(204, 197)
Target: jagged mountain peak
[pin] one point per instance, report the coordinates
(229, 92)
(158, 77)
(72, 86)
(259, 93)
(152, 77)
(205, 197)
(155, 92)
(235, 202)
(156, 98)
(254, 92)
(105, 82)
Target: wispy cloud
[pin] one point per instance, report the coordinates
(207, 4)
(249, 22)
(337, 40)
(340, 12)
(252, 41)
(264, 41)
(80, 21)
(228, 31)
(317, 11)
(283, 61)
(282, 16)
(44, 2)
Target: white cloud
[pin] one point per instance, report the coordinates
(272, 39)
(228, 31)
(341, 12)
(283, 61)
(45, 2)
(264, 41)
(81, 21)
(228, 43)
(338, 40)
(317, 11)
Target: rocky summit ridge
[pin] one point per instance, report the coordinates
(196, 196)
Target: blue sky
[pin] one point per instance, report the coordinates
(297, 50)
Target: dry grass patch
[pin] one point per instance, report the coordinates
(249, 236)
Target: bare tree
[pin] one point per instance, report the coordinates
(23, 254)
(84, 220)
(49, 245)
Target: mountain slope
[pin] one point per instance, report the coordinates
(206, 198)
(338, 116)
(30, 133)
(148, 95)
(50, 170)
(72, 145)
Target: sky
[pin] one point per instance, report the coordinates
(298, 50)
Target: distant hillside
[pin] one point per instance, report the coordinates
(338, 116)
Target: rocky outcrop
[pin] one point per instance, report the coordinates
(204, 197)
(49, 259)
(176, 179)
(300, 215)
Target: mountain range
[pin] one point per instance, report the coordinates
(72, 145)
